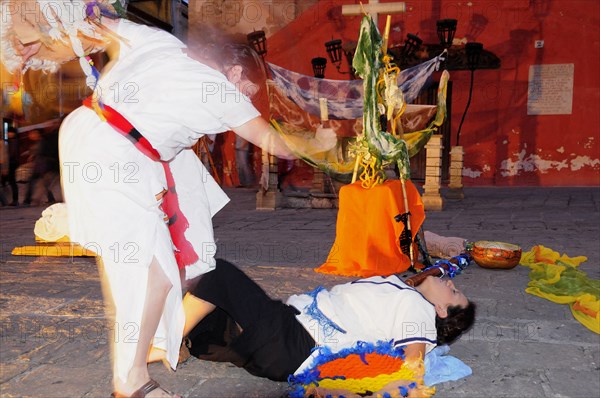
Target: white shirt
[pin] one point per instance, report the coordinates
(370, 310)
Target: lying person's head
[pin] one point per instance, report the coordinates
(454, 312)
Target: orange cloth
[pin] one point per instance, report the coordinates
(367, 236)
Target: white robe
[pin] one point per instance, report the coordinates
(110, 186)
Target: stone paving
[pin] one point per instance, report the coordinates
(53, 340)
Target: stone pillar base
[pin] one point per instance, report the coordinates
(271, 198)
(456, 166)
(455, 193)
(432, 200)
(268, 200)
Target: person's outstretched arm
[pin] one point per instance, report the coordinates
(264, 136)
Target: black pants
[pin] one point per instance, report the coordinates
(272, 342)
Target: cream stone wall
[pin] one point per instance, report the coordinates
(236, 18)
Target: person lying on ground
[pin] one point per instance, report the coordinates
(230, 318)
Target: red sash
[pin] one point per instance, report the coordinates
(178, 223)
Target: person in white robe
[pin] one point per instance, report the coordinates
(112, 190)
(230, 318)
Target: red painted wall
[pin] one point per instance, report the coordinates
(503, 145)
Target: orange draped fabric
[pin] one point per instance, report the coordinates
(367, 236)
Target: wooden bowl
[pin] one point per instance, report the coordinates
(496, 254)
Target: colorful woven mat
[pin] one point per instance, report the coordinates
(364, 368)
(556, 278)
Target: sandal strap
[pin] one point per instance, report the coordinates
(145, 389)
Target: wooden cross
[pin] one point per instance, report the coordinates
(374, 8)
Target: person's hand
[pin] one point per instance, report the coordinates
(260, 133)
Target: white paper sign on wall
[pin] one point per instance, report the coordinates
(550, 90)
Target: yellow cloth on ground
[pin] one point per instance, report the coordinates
(556, 278)
(52, 236)
(53, 249)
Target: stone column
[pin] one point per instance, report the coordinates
(271, 198)
(456, 167)
(433, 174)
(318, 184)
